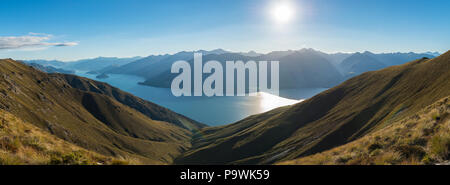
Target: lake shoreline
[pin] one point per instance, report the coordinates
(213, 111)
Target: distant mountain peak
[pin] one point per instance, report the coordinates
(219, 50)
(204, 52)
(368, 53)
(433, 53)
(251, 53)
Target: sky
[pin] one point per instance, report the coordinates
(76, 29)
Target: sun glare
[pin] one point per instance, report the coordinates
(282, 12)
(269, 101)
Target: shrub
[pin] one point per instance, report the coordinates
(6, 159)
(73, 158)
(374, 146)
(390, 158)
(343, 159)
(119, 162)
(10, 144)
(375, 152)
(33, 142)
(409, 151)
(440, 146)
(427, 160)
(411, 124)
(427, 130)
(377, 138)
(420, 141)
(3, 123)
(436, 116)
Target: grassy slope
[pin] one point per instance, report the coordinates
(423, 138)
(91, 120)
(335, 117)
(147, 108)
(24, 143)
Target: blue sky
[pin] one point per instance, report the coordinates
(69, 30)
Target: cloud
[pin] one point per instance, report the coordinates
(40, 34)
(31, 40)
(65, 44)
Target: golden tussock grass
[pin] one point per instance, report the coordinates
(23, 143)
(423, 138)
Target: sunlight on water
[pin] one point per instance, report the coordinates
(269, 101)
(209, 110)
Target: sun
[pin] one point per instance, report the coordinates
(282, 12)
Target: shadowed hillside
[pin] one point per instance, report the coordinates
(359, 106)
(92, 115)
(147, 108)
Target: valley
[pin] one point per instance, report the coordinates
(131, 125)
(94, 115)
(347, 112)
(213, 111)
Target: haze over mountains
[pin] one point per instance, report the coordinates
(362, 62)
(85, 64)
(51, 69)
(359, 63)
(305, 68)
(105, 120)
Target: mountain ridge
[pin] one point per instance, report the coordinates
(421, 139)
(337, 116)
(89, 118)
(314, 70)
(108, 121)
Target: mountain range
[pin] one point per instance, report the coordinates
(359, 63)
(51, 69)
(85, 64)
(362, 62)
(345, 113)
(305, 68)
(297, 68)
(394, 115)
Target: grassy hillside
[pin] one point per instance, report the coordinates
(349, 111)
(94, 120)
(23, 143)
(423, 138)
(147, 108)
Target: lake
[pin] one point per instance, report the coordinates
(213, 111)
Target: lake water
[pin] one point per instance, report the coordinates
(209, 110)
